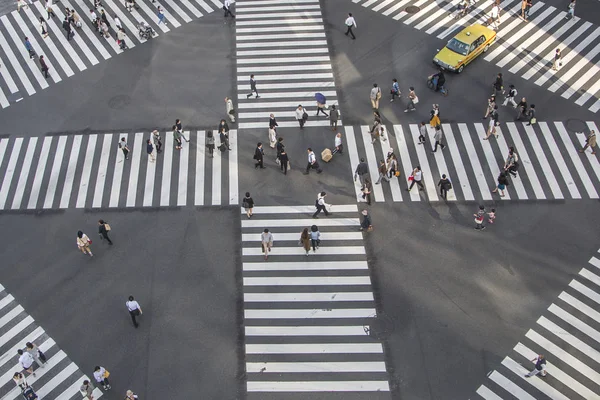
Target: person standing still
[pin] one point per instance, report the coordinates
(375, 95)
(103, 229)
(83, 243)
(479, 217)
(134, 310)
(259, 156)
(123, 146)
(210, 143)
(230, 110)
(266, 239)
(321, 205)
(252, 87)
(248, 204)
(334, 116)
(590, 142)
(350, 22)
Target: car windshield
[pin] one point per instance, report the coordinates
(458, 47)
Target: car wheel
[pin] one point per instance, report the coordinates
(460, 69)
(485, 49)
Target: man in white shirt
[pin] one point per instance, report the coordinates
(350, 22)
(227, 8)
(26, 360)
(230, 109)
(494, 20)
(312, 162)
(417, 177)
(134, 310)
(321, 205)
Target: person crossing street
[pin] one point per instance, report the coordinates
(321, 205)
(350, 22)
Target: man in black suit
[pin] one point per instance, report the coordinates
(259, 156)
(252, 87)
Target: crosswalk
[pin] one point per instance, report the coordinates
(90, 171)
(60, 378)
(21, 76)
(308, 319)
(568, 335)
(283, 43)
(523, 48)
(551, 168)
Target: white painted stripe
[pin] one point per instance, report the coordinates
(595, 262)
(153, 15)
(291, 3)
(591, 157)
(278, 15)
(516, 183)
(289, 85)
(302, 222)
(404, 158)
(17, 67)
(369, 3)
(172, 4)
(88, 32)
(8, 78)
(205, 6)
(568, 338)
(275, 104)
(595, 107)
(183, 172)
(150, 181)
(434, 16)
(70, 175)
(284, 124)
(381, 5)
(216, 176)
(487, 394)
(255, 10)
(580, 306)
(85, 12)
(304, 331)
(39, 173)
(576, 160)
(489, 156)
(217, 3)
(427, 10)
(462, 178)
(442, 167)
(316, 367)
(373, 165)
(590, 276)
(510, 387)
(539, 384)
(287, 313)
(10, 315)
(585, 291)
(394, 183)
(165, 188)
(303, 29)
(25, 168)
(558, 160)
(307, 297)
(86, 172)
(563, 356)
(54, 174)
(308, 95)
(280, 21)
(556, 373)
(74, 388)
(525, 161)
(57, 380)
(135, 168)
(255, 237)
(302, 43)
(102, 169)
(403, 13)
(349, 208)
(15, 330)
(307, 281)
(588, 93)
(575, 322)
(120, 161)
(10, 171)
(293, 251)
(199, 185)
(317, 386)
(3, 147)
(395, 7)
(233, 169)
(427, 175)
(314, 348)
(6, 300)
(3, 100)
(314, 35)
(543, 161)
(583, 65)
(77, 37)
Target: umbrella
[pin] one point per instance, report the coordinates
(320, 98)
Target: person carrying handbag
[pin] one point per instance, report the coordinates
(83, 243)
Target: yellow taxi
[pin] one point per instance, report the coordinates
(465, 47)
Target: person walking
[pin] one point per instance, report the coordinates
(227, 9)
(366, 224)
(301, 116)
(248, 204)
(224, 139)
(117, 21)
(494, 18)
(510, 97)
(444, 185)
(124, 148)
(523, 8)
(494, 121)
(101, 375)
(179, 127)
(382, 172)
(315, 237)
(44, 27)
(161, 16)
(305, 240)
(422, 132)
(259, 156)
(375, 95)
(134, 310)
(44, 67)
(210, 143)
(392, 166)
(103, 229)
(230, 110)
(350, 22)
(273, 122)
(312, 162)
(83, 243)
(339, 147)
(412, 100)
(266, 239)
(511, 165)
(540, 364)
(590, 142)
(20, 381)
(272, 138)
(29, 48)
(521, 109)
(502, 183)
(67, 27)
(498, 86)
(479, 218)
(284, 161)
(279, 147)
(121, 39)
(21, 4)
(361, 172)
(367, 190)
(438, 136)
(252, 87)
(531, 115)
(557, 62)
(36, 353)
(321, 205)
(321, 109)
(223, 127)
(491, 216)
(416, 177)
(26, 361)
(177, 138)
(157, 140)
(395, 91)
(104, 30)
(129, 395)
(49, 9)
(570, 10)
(490, 106)
(87, 390)
(334, 116)
(104, 18)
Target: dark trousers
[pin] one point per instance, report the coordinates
(394, 94)
(284, 166)
(228, 12)
(315, 165)
(125, 152)
(105, 236)
(319, 209)
(315, 243)
(31, 53)
(339, 149)
(421, 139)
(419, 183)
(133, 314)
(349, 31)
(444, 193)
(45, 71)
(69, 34)
(259, 163)
(252, 90)
(158, 145)
(437, 142)
(320, 110)
(301, 122)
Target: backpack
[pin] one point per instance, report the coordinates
(245, 204)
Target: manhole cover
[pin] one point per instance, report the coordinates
(576, 125)
(412, 9)
(119, 101)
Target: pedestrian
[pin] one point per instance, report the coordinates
(315, 237)
(230, 110)
(97, 3)
(590, 142)
(129, 395)
(83, 243)
(150, 150)
(523, 8)
(177, 138)
(312, 162)
(491, 216)
(259, 156)
(490, 106)
(521, 109)
(510, 97)
(75, 19)
(321, 109)
(43, 66)
(49, 9)
(539, 361)
(416, 176)
(44, 28)
(350, 22)
(570, 10)
(498, 85)
(121, 39)
(20, 4)
(104, 18)
(339, 147)
(157, 140)
(375, 95)
(494, 18)
(179, 127)
(94, 19)
(134, 310)
(266, 239)
(36, 353)
(272, 137)
(67, 27)
(210, 143)
(528, 8)
(103, 229)
(305, 240)
(395, 91)
(101, 375)
(123, 146)
(227, 9)
(334, 116)
(557, 62)
(375, 132)
(284, 161)
(444, 185)
(301, 116)
(279, 147)
(479, 217)
(367, 190)
(224, 139)
(321, 205)
(511, 165)
(20, 380)
(117, 22)
(494, 121)
(434, 122)
(223, 127)
(161, 16)
(104, 29)
(87, 390)
(248, 204)
(412, 100)
(422, 132)
(392, 166)
(531, 115)
(26, 361)
(502, 183)
(131, 4)
(252, 87)
(438, 136)
(366, 225)
(273, 121)
(29, 48)
(361, 172)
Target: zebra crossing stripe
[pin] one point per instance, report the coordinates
(569, 338)
(149, 183)
(216, 178)
(10, 170)
(582, 65)
(465, 186)
(200, 159)
(434, 15)
(165, 188)
(183, 173)
(273, 314)
(304, 297)
(102, 170)
(474, 161)
(205, 6)
(74, 388)
(283, 367)
(54, 174)
(540, 385)
(118, 172)
(233, 169)
(559, 161)
(318, 386)
(82, 45)
(192, 8)
(575, 322)
(489, 156)
(585, 291)
(178, 10)
(86, 172)
(39, 174)
(353, 155)
(394, 185)
(111, 42)
(407, 165)
(372, 160)
(543, 161)
(70, 176)
(487, 394)
(510, 387)
(9, 316)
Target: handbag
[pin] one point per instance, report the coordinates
(397, 173)
(416, 100)
(232, 111)
(107, 227)
(106, 374)
(533, 120)
(41, 355)
(411, 178)
(305, 116)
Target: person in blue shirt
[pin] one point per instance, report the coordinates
(29, 48)
(395, 90)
